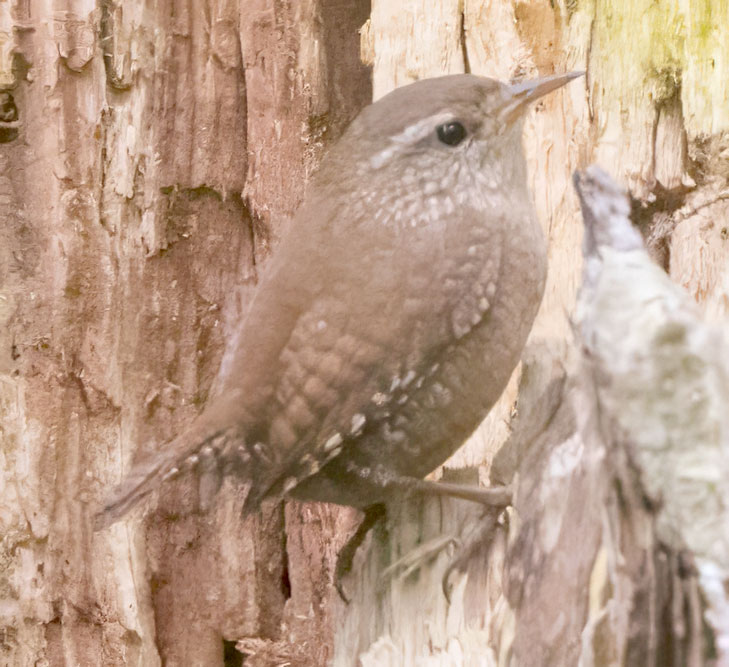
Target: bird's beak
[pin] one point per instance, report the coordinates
(522, 94)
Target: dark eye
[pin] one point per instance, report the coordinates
(451, 133)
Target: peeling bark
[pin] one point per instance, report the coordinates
(168, 144)
(579, 571)
(150, 155)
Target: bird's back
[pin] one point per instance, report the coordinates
(391, 315)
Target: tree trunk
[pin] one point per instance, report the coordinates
(149, 155)
(158, 147)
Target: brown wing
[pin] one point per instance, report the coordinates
(327, 334)
(362, 334)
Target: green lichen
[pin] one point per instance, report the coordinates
(646, 51)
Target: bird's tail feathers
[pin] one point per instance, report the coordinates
(140, 482)
(148, 474)
(213, 441)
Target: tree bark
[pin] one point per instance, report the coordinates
(158, 148)
(583, 569)
(149, 154)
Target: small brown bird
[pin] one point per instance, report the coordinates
(392, 313)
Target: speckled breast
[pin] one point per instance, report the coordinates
(432, 412)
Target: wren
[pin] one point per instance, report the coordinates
(391, 314)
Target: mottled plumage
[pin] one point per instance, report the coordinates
(392, 313)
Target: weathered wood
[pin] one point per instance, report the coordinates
(661, 379)
(580, 571)
(160, 149)
(156, 153)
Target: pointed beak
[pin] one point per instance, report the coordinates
(522, 94)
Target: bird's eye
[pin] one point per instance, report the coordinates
(451, 133)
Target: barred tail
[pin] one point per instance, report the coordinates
(214, 444)
(144, 478)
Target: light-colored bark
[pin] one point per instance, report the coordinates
(583, 571)
(159, 148)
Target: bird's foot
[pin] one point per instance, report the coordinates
(495, 499)
(380, 477)
(416, 557)
(493, 496)
(345, 558)
(480, 539)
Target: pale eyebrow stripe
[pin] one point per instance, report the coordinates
(410, 135)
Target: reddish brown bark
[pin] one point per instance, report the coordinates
(159, 149)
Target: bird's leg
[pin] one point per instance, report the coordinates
(493, 496)
(495, 499)
(372, 515)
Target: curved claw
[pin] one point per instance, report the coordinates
(416, 557)
(481, 539)
(345, 559)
